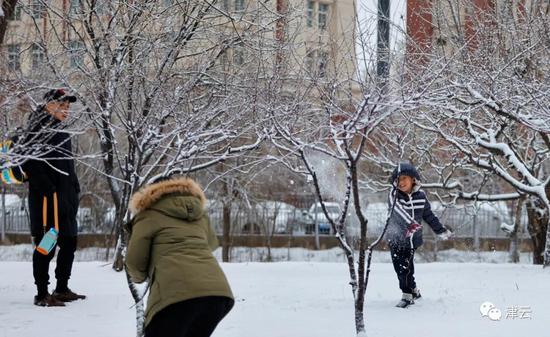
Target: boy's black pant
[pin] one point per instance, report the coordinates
(41, 264)
(197, 317)
(403, 263)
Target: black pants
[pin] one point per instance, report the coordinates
(403, 263)
(41, 264)
(197, 317)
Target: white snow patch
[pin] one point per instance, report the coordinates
(297, 299)
(24, 252)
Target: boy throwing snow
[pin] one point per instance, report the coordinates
(404, 233)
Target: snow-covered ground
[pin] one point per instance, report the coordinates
(24, 252)
(299, 299)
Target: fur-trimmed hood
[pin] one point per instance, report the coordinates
(150, 194)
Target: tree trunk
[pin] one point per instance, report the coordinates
(118, 263)
(226, 240)
(546, 257)
(513, 256)
(514, 244)
(122, 241)
(140, 309)
(547, 247)
(537, 227)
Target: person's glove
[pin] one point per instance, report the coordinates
(446, 235)
(412, 228)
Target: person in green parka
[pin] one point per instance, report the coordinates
(171, 246)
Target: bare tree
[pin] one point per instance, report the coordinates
(326, 131)
(491, 72)
(163, 87)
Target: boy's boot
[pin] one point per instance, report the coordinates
(406, 300)
(416, 294)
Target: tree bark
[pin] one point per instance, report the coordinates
(226, 240)
(228, 196)
(140, 308)
(514, 242)
(122, 241)
(537, 228)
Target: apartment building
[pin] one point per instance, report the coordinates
(446, 23)
(314, 36)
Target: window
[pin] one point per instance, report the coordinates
(320, 10)
(316, 63)
(14, 51)
(76, 54)
(224, 61)
(75, 7)
(100, 7)
(310, 9)
(322, 60)
(37, 56)
(16, 14)
(323, 16)
(233, 5)
(238, 56)
(226, 5)
(310, 61)
(38, 9)
(239, 5)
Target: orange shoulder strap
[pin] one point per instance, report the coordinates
(45, 213)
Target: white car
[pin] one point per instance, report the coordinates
(318, 216)
(278, 212)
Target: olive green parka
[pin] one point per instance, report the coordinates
(171, 245)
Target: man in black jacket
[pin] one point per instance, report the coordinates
(51, 174)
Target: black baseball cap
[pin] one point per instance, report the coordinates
(58, 95)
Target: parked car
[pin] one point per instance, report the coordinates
(256, 218)
(301, 223)
(318, 216)
(276, 213)
(84, 220)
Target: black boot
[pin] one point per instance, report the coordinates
(47, 301)
(67, 295)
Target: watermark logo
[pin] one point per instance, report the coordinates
(489, 310)
(519, 312)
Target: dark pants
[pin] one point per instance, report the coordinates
(41, 264)
(197, 317)
(403, 263)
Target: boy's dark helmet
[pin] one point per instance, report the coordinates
(405, 169)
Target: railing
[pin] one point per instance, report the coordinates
(16, 220)
(284, 221)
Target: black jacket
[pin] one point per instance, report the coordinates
(410, 209)
(51, 170)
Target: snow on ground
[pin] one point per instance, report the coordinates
(23, 252)
(300, 299)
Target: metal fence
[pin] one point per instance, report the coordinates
(16, 220)
(283, 219)
(286, 219)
